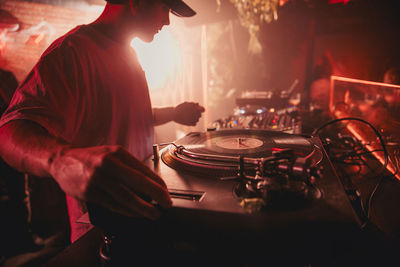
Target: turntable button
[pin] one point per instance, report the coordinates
(156, 153)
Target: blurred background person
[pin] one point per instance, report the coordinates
(8, 84)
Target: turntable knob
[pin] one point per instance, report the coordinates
(156, 153)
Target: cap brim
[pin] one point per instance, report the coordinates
(180, 8)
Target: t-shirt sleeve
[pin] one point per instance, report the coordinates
(49, 94)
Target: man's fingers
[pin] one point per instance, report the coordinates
(137, 204)
(198, 107)
(131, 161)
(188, 113)
(201, 108)
(140, 183)
(118, 198)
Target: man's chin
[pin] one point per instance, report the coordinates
(147, 38)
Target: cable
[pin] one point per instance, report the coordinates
(369, 152)
(371, 196)
(386, 155)
(384, 149)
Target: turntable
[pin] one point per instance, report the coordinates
(219, 170)
(233, 190)
(269, 167)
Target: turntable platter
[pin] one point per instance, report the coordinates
(218, 152)
(248, 143)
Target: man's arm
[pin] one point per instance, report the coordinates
(187, 113)
(106, 175)
(163, 115)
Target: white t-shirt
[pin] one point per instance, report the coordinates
(88, 90)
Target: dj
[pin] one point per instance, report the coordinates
(83, 115)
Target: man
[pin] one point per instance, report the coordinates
(83, 115)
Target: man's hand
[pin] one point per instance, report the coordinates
(110, 177)
(106, 175)
(188, 113)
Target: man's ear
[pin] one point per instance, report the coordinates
(140, 5)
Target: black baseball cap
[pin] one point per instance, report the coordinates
(178, 7)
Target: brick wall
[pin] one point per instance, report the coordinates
(40, 25)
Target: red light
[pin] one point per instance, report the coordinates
(338, 1)
(276, 149)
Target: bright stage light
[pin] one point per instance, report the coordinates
(160, 59)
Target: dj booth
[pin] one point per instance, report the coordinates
(252, 196)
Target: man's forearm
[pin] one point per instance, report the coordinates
(163, 115)
(28, 147)
(186, 113)
(108, 176)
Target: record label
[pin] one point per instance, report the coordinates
(240, 142)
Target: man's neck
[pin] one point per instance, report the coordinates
(111, 23)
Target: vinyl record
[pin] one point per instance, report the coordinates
(217, 152)
(247, 143)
